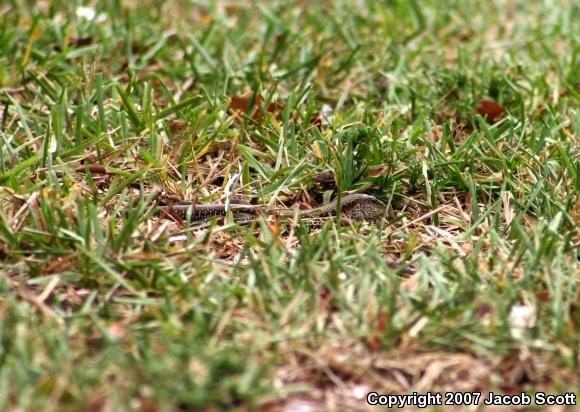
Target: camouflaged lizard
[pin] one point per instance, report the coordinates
(355, 206)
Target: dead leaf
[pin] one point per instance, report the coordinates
(465, 34)
(542, 296)
(375, 341)
(177, 126)
(98, 400)
(377, 171)
(149, 404)
(316, 121)
(483, 310)
(76, 42)
(94, 169)
(325, 298)
(81, 41)
(490, 110)
(244, 101)
(276, 107)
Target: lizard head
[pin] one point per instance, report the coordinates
(365, 207)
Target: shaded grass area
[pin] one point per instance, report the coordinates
(105, 116)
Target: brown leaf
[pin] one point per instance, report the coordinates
(177, 126)
(242, 102)
(465, 34)
(81, 41)
(375, 342)
(94, 169)
(377, 171)
(542, 296)
(76, 42)
(276, 107)
(489, 109)
(316, 121)
(98, 400)
(325, 298)
(149, 404)
(483, 310)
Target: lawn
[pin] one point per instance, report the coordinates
(463, 118)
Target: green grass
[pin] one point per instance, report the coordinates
(102, 119)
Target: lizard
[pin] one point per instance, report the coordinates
(356, 206)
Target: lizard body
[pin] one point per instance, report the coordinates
(205, 211)
(355, 206)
